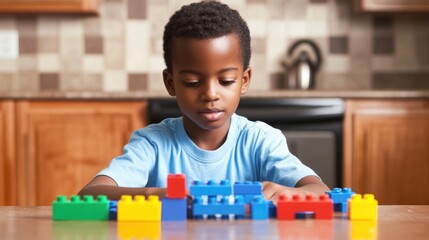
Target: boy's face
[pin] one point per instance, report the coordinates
(207, 79)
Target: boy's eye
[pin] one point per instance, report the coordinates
(227, 82)
(190, 83)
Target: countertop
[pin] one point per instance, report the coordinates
(137, 95)
(394, 222)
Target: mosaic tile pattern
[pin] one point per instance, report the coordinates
(49, 81)
(94, 44)
(338, 45)
(121, 49)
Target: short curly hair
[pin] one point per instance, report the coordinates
(206, 20)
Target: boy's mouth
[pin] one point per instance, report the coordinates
(211, 114)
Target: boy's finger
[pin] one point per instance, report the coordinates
(268, 193)
(265, 185)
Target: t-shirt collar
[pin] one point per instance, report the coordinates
(206, 155)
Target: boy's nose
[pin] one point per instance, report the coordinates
(210, 92)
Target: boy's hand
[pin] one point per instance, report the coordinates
(272, 191)
(307, 185)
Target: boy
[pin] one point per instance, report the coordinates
(207, 54)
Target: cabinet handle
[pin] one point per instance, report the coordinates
(27, 171)
(365, 162)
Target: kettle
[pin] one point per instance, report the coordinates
(301, 72)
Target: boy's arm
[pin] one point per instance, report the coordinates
(103, 185)
(306, 185)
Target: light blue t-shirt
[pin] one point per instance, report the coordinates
(253, 151)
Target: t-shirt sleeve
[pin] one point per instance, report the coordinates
(278, 164)
(132, 168)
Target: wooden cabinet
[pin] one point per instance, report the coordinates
(63, 144)
(394, 5)
(49, 6)
(387, 149)
(7, 152)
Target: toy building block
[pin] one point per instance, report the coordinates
(340, 197)
(363, 229)
(223, 207)
(197, 188)
(73, 230)
(113, 210)
(248, 198)
(363, 208)
(259, 208)
(272, 210)
(77, 209)
(247, 188)
(176, 186)
(287, 208)
(140, 209)
(341, 207)
(138, 230)
(174, 209)
(304, 215)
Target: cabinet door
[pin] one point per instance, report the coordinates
(49, 6)
(64, 144)
(7, 151)
(389, 150)
(394, 5)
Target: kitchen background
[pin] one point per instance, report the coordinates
(120, 50)
(93, 79)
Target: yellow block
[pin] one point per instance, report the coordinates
(140, 209)
(139, 230)
(362, 208)
(363, 230)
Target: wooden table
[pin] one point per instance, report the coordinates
(394, 222)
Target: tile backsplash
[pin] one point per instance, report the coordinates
(120, 50)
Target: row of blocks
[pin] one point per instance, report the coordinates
(174, 206)
(245, 193)
(357, 207)
(176, 187)
(151, 209)
(127, 209)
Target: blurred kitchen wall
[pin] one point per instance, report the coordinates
(121, 49)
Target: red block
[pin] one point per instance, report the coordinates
(176, 186)
(322, 206)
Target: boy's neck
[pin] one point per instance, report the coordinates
(206, 139)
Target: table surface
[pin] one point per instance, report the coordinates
(394, 222)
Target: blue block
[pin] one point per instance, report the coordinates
(339, 195)
(248, 198)
(174, 209)
(197, 188)
(189, 211)
(340, 207)
(223, 208)
(259, 208)
(247, 188)
(113, 210)
(272, 210)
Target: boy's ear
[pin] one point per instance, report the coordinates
(247, 76)
(168, 82)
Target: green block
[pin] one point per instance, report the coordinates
(74, 230)
(77, 209)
